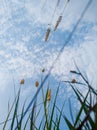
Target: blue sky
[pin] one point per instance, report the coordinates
(23, 51)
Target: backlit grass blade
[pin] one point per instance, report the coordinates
(60, 115)
(52, 112)
(81, 110)
(10, 110)
(26, 123)
(21, 120)
(32, 116)
(71, 114)
(70, 126)
(15, 111)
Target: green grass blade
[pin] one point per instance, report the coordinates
(32, 116)
(52, 113)
(70, 126)
(60, 115)
(70, 108)
(15, 111)
(7, 119)
(21, 120)
(83, 105)
(26, 122)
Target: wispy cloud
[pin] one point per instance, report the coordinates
(22, 48)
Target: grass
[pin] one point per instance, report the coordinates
(50, 116)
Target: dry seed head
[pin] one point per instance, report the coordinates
(57, 23)
(56, 26)
(43, 70)
(36, 83)
(73, 81)
(22, 81)
(47, 34)
(49, 95)
(60, 18)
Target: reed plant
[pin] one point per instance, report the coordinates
(50, 116)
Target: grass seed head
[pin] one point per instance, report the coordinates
(36, 83)
(57, 23)
(43, 70)
(60, 18)
(47, 34)
(49, 95)
(22, 81)
(73, 81)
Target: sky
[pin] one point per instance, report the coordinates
(24, 52)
